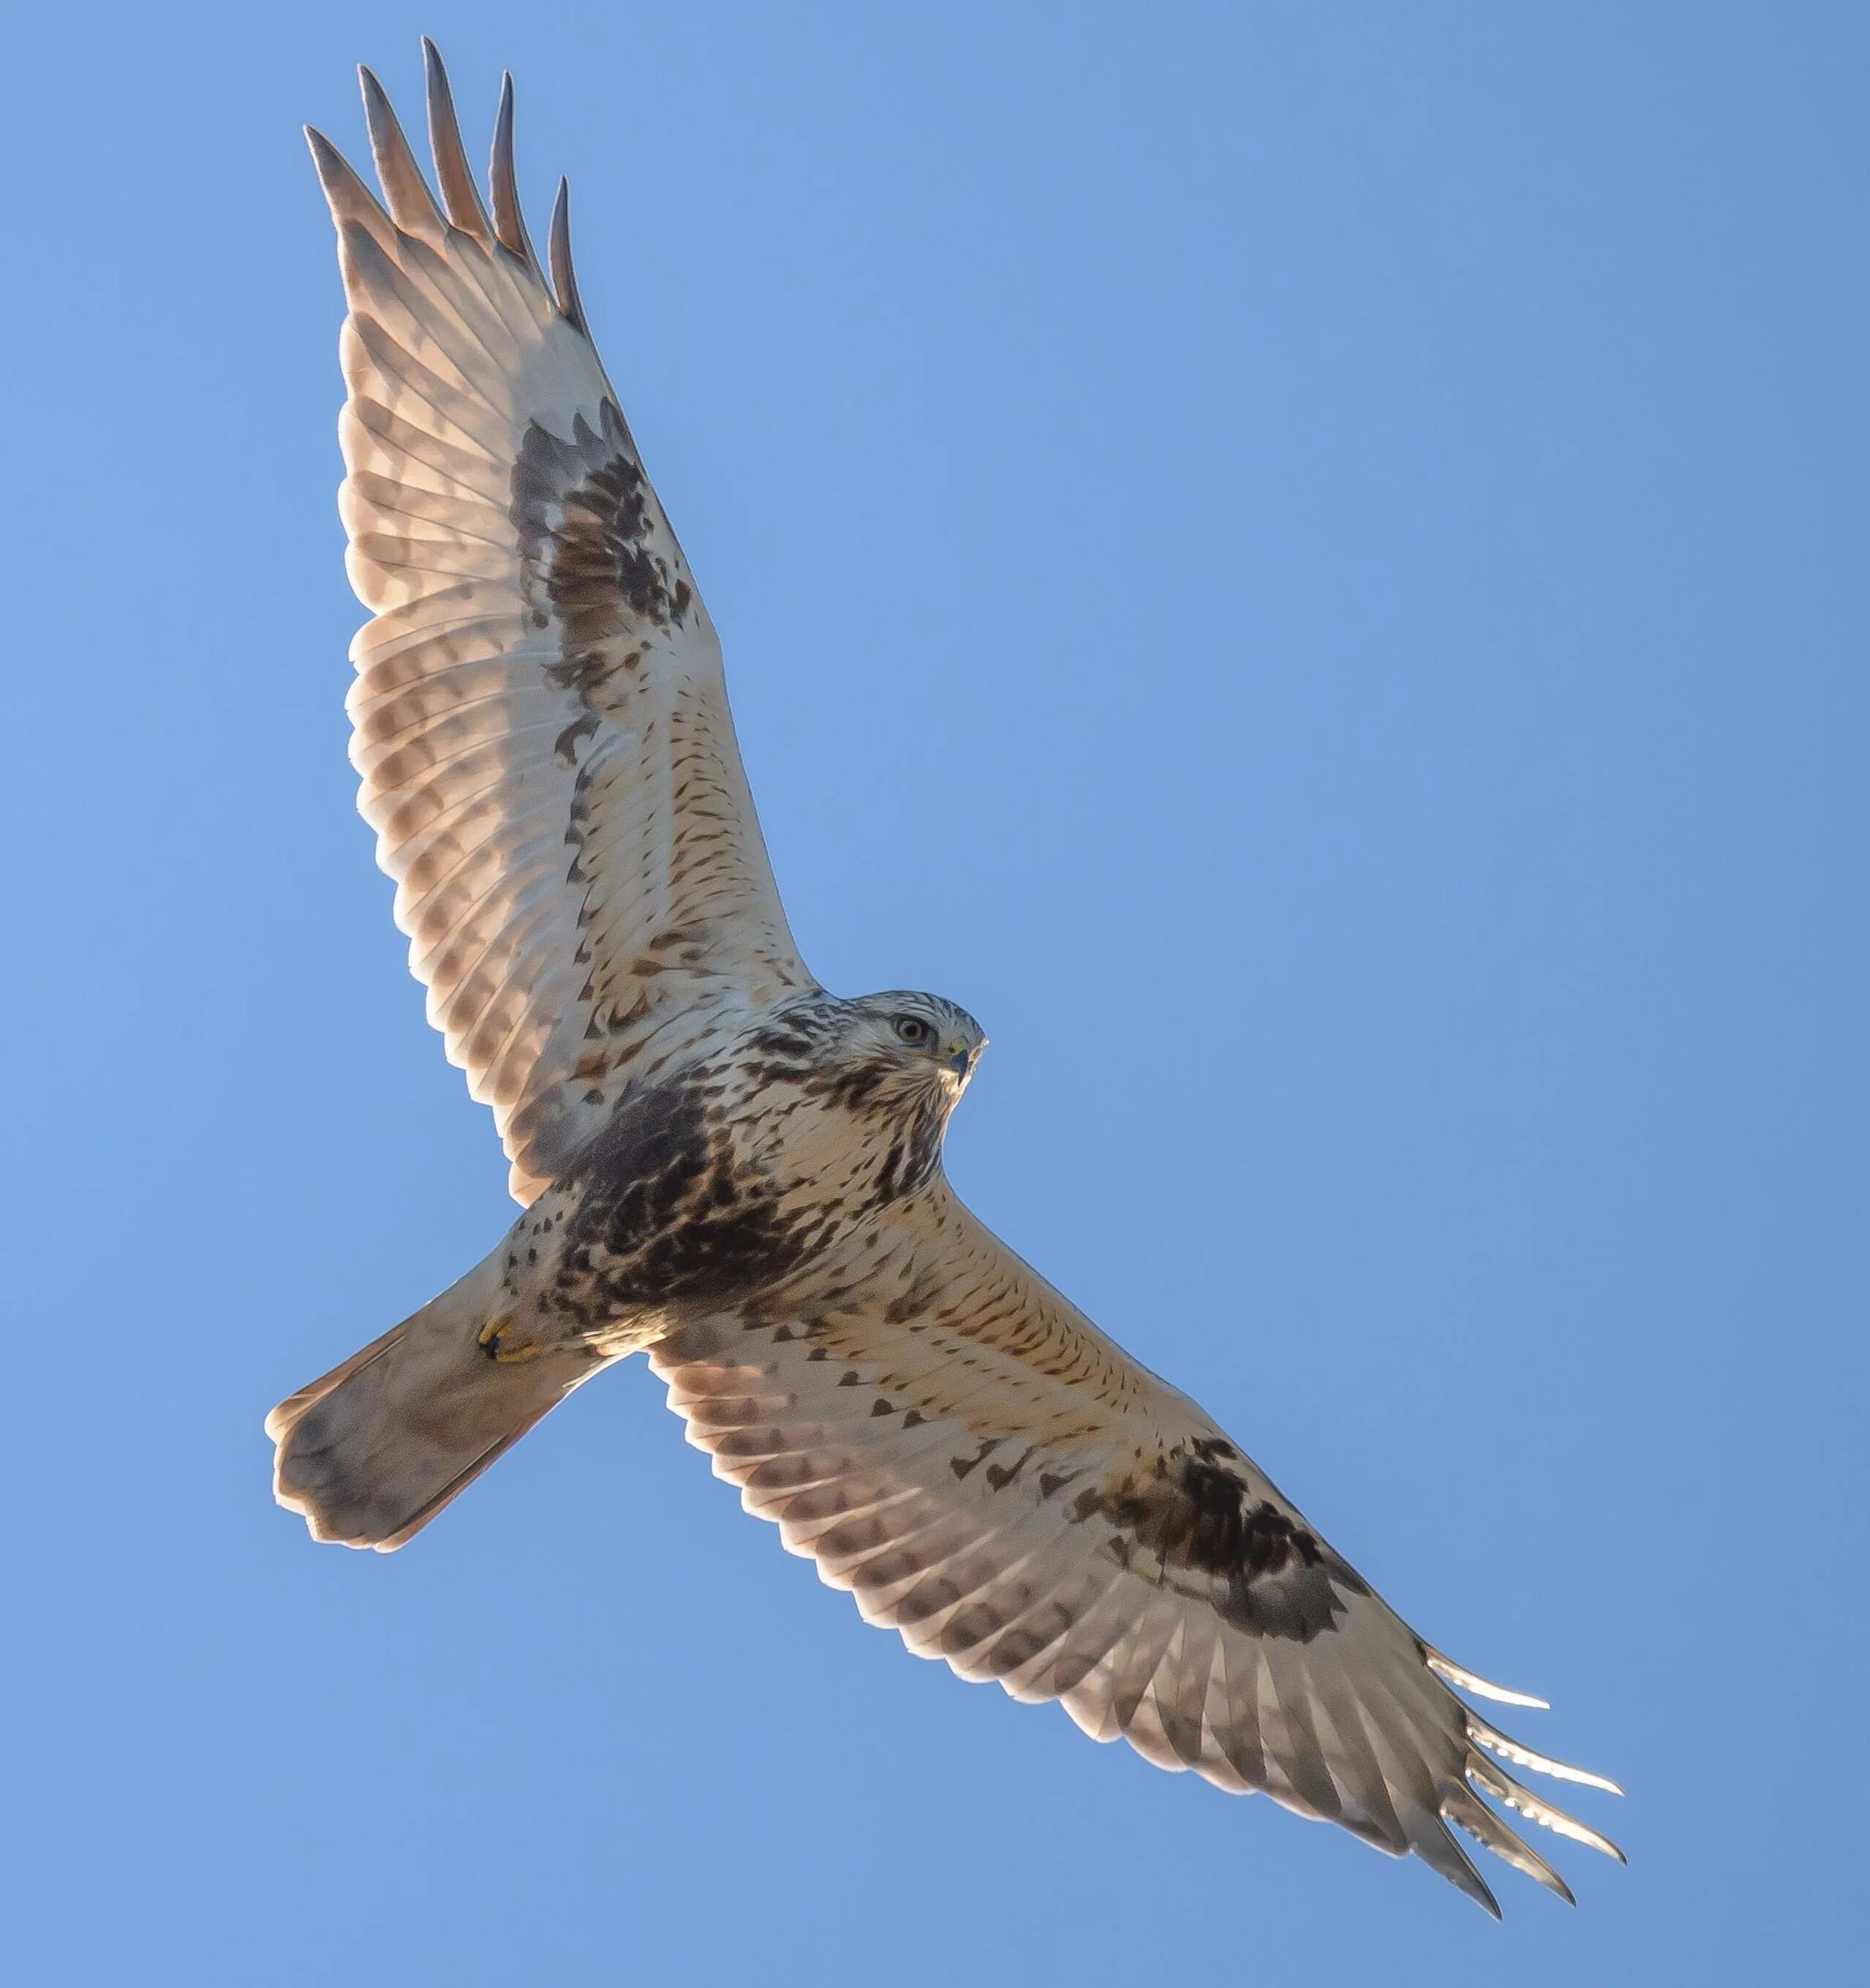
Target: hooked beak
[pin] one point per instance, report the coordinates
(962, 1059)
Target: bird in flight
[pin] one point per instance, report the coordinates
(727, 1168)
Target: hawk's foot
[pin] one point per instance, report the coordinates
(492, 1341)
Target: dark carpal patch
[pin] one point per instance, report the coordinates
(596, 555)
(1193, 1515)
(587, 528)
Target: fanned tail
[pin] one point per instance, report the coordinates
(370, 1453)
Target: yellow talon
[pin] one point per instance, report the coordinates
(489, 1336)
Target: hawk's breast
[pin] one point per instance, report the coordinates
(715, 1182)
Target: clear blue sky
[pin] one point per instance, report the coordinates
(1306, 562)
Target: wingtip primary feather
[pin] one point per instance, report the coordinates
(1466, 1680)
(411, 205)
(345, 194)
(1434, 1842)
(460, 197)
(508, 222)
(1496, 1782)
(1491, 1833)
(1522, 1755)
(558, 250)
(326, 157)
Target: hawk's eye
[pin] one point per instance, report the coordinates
(913, 1028)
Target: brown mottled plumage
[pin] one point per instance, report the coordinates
(725, 1166)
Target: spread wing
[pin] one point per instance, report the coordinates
(953, 1441)
(539, 719)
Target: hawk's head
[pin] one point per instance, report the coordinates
(920, 1037)
(896, 1051)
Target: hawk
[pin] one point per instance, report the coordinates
(726, 1167)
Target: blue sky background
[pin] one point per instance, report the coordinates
(1307, 562)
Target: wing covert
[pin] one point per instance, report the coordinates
(950, 1440)
(539, 719)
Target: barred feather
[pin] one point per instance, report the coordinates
(955, 1444)
(540, 722)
